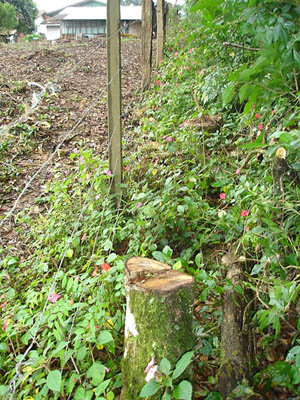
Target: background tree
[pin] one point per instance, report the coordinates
(26, 12)
(8, 18)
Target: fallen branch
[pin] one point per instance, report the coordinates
(239, 46)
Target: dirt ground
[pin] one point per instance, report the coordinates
(77, 72)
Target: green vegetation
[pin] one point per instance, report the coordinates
(26, 12)
(190, 195)
(8, 19)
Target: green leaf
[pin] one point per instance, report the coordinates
(104, 337)
(293, 353)
(102, 387)
(183, 391)
(227, 94)
(4, 390)
(69, 253)
(214, 396)
(54, 380)
(255, 145)
(182, 364)
(150, 389)
(296, 57)
(165, 366)
(96, 372)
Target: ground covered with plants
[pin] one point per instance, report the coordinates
(212, 174)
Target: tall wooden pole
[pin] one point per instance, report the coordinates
(146, 43)
(114, 95)
(160, 30)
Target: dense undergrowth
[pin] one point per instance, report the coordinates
(190, 195)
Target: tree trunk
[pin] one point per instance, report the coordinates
(159, 318)
(234, 352)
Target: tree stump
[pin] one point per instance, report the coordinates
(159, 318)
(234, 355)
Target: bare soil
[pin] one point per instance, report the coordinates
(77, 72)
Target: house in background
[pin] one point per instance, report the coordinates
(87, 19)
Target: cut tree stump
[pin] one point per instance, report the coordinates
(159, 320)
(234, 342)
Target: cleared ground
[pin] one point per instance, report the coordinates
(68, 81)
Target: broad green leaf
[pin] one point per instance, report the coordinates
(54, 380)
(104, 337)
(244, 91)
(183, 391)
(4, 390)
(150, 389)
(182, 364)
(82, 394)
(69, 253)
(96, 372)
(165, 366)
(102, 387)
(227, 94)
(297, 57)
(293, 353)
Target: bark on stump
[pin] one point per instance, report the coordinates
(159, 319)
(234, 355)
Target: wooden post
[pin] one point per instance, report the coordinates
(160, 30)
(114, 95)
(159, 321)
(234, 344)
(146, 43)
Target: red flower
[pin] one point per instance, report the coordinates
(3, 305)
(260, 126)
(158, 82)
(244, 213)
(257, 116)
(105, 266)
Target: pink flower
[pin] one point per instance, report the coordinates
(139, 205)
(247, 229)
(169, 139)
(75, 150)
(169, 48)
(253, 106)
(106, 369)
(4, 326)
(244, 213)
(176, 53)
(202, 71)
(222, 196)
(260, 126)
(97, 197)
(190, 50)
(234, 92)
(257, 116)
(94, 273)
(188, 68)
(83, 237)
(105, 266)
(272, 112)
(238, 171)
(3, 304)
(54, 297)
(151, 374)
(151, 363)
(158, 82)
(127, 168)
(108, 172)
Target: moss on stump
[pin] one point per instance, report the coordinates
(159, 319)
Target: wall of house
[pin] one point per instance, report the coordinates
(87, 27)
(135, 28)
(53, 32)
